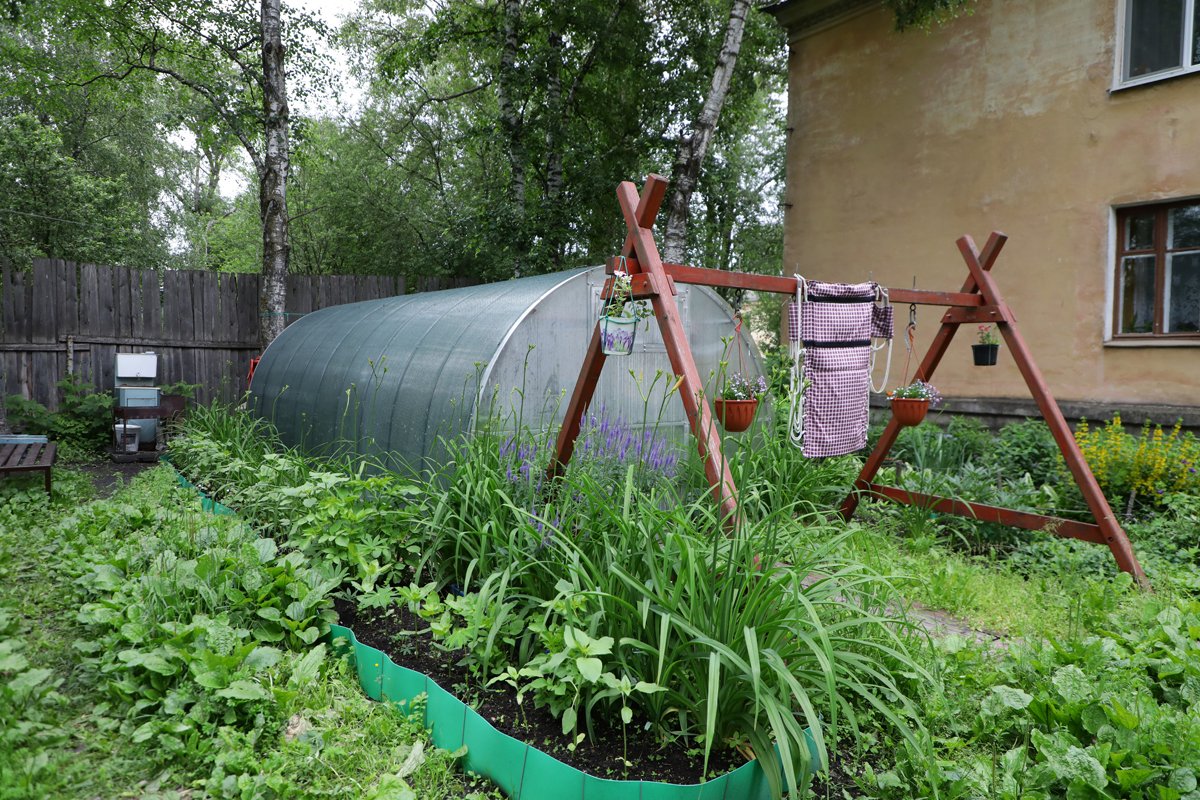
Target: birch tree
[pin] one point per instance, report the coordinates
(693, 145)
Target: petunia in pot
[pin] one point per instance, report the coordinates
(619, 316)
(911, 403)
(987, 348)
(738, 403)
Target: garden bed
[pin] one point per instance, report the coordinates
(403, 637)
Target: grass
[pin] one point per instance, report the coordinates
(64, 734)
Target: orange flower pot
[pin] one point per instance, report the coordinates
(735, 415)
(909, 411)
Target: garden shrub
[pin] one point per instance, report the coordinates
(637, 602)
(1025, 448)
(1139, 471)
(198, 671)
(335, 515)
(1107, 714)
(82, 426)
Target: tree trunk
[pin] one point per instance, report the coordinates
(553, 227)
(692, 147)
(510, 118)
(272, 193)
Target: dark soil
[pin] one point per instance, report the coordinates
(602, 756)
(108, 476)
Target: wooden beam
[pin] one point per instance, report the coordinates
(982, 512)
(984, 315)
(683, 363)
(577, 406)
(1114, 534)
(778, 284)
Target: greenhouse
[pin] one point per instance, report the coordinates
(389, 377)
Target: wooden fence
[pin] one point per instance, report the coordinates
(60, 317)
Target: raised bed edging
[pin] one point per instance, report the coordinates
(522, 771)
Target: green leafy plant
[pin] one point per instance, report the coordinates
(81, 425)
(917, 390)
(986, 335)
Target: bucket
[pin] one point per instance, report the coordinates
(126, 437)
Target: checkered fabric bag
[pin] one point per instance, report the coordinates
(836, 325)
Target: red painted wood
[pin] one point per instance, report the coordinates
(1114, 534)
(782, 285)
(1106, 530)
(648, 206)
(691, 387)
(1074, 529)
(577, 406)
(937, 349)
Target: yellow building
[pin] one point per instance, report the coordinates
(1071, 125)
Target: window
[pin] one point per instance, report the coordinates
(1161, 40)
(1158, 272)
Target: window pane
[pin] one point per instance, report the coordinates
(1183, 307)
(1183, 227)
(1137, 294)
(1154, 36)
(1196, 34)
(1139, 231)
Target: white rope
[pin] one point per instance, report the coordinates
(881, 299)
(796, 378)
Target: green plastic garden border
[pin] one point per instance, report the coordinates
(522, 771)
(206, 502)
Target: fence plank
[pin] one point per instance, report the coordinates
(42, 308)
(248, 320)
(68, 293)
(152, 323)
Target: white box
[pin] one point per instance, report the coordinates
(136, 365)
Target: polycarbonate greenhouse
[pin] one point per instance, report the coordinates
(388, 377)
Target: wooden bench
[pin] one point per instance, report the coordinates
(27, 454)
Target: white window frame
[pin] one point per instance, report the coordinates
(1121, 45)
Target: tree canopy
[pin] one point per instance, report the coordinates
(487, 141)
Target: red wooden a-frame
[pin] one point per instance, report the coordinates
(979, 301)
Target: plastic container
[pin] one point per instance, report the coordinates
(126, 437)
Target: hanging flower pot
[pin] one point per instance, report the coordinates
(987, 348)
(911, 403)
(617, 335)
(985, 354)
(735, 416)
(909, 411)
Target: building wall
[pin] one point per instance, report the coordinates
(901, 143)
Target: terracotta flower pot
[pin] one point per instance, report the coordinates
(909, 411)
(735, 415)
(985, 354)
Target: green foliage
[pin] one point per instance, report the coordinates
(29, 722)
(1106, 714)
(173, 679)
(926, 13)
(330, 513)
(82, 424)
(1138, 472)
(651, 584)
(1024, 448)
